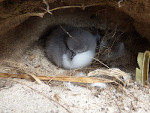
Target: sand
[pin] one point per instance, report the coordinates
(25, 96)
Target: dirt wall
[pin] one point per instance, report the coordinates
(12, 13)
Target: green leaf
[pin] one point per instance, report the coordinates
(142, 71)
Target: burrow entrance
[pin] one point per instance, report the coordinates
(117, 47)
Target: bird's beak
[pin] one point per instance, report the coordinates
(73, 54)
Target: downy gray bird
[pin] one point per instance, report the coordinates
(70, 47)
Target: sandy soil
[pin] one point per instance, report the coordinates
(24, 96)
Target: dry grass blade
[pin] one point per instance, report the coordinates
(101, 62)
(47, 6)
(67, 33)
(116, 73)
(80, 6)
(59, 78)
(22, 68)
(36, 79)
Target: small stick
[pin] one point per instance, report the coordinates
(47, 6)
(60, 78)
(101, 63)
(66, 7)
(67, 33)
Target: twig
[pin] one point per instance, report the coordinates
(67, 7)
(56, 78)
(35, 78)
(115, 41)
(21, 67)
(115, 31)
(60, 78)
(115, 73)
(101, 63)
(67, 33)
(47, 6)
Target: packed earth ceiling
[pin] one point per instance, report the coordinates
(22, 9)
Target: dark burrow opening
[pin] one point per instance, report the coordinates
(118, 42)
(115, 49)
